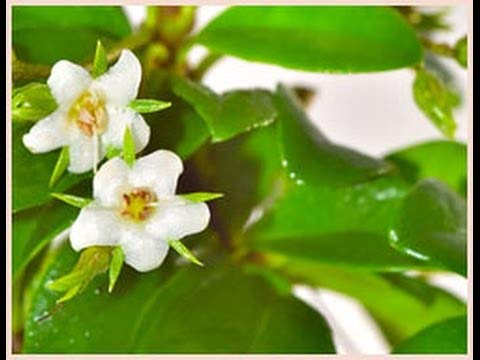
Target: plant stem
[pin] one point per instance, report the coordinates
(441, 49)
(22, 71)
(205, 64)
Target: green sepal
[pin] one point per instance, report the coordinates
(128, 147)
(145, 106)
(202, 196)
(115, 267)
(183, 251)
(100, 61)
(60, 166)
(73, 200)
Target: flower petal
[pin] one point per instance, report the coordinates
(159, 171)
(109, 182)
(84, 152)
(142, 251)
(119, 118)
(67, 81)
(95, 225)
(120, 83)
(177, 219)
(47, 134)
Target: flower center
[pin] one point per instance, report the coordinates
(89, 114)
(138, 204)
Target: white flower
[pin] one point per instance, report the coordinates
(137, 209)
(92, 113)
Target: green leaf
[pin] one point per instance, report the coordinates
(407, 304)
(143, 106)
(461, 51)
(73, 200)
(34, 228)
(175, 309)
(445, 337)
(229, 114)
(32, 102)
(180, 128)
(341, 226)
(435, 101)
(31, 174)
(62, 164)
(441, 159)
(344, 197)
(74, 30)
(201, 196)
(183, 251)
(247, 169)
(115, 267)
(431, 225)
(310, 158)
(128, 147)
(320, 38)
(100, 61)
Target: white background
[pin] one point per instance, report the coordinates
(374, 113)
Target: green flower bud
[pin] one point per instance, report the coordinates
(172, 23)
(92, 262)
(32, 102)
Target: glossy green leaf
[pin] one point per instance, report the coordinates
(446, 337)
(320, 38)
(435, 100)
(128, 147)
(332, 205)
(178, 128)
(431, 225)
(143, 106)
(31, 174)
(34, 228)
(74, 31)
(419, 303)
(115, 267)
(229, 114)
(247, 170)
(32, 102)
(73, 200)
(342, 226)
(338, 214)
(175, 309)
(60, 166)
(182, 250)
(440, 159)
(202, 196)
(310, 158)
(100, 61)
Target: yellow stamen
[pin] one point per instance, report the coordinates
(89, 114)
(138, 204)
